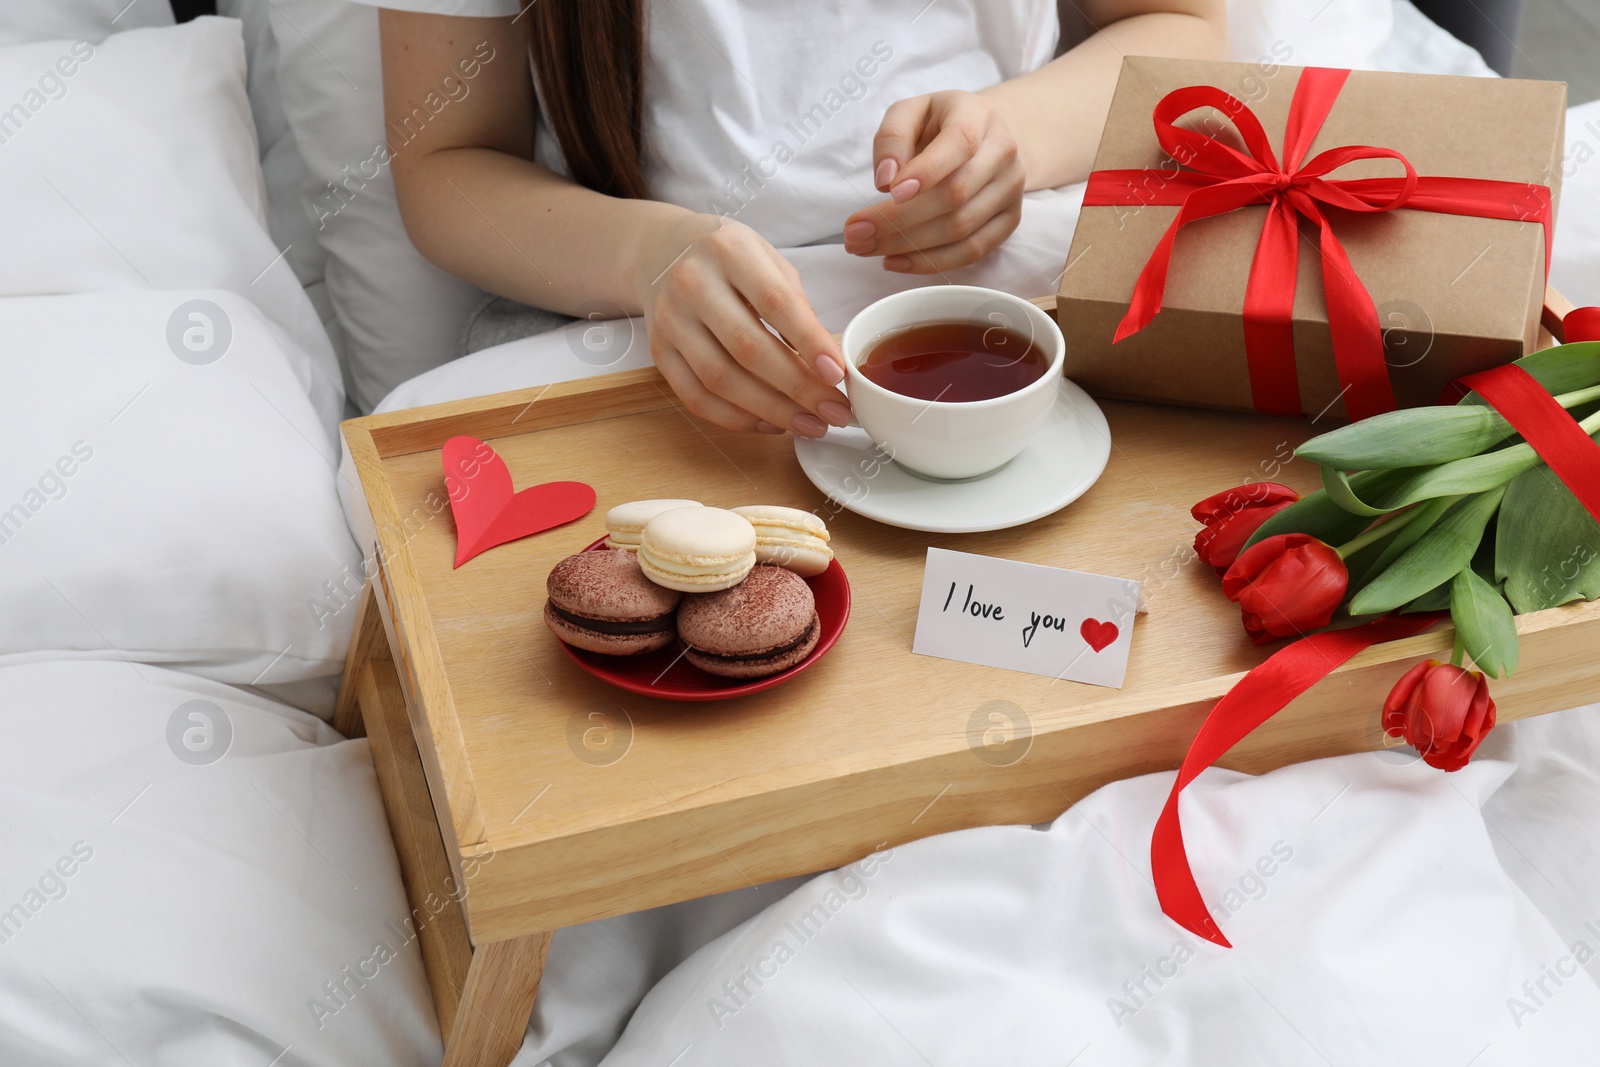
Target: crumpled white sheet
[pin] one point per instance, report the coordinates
(192, 875)
(1382, 912)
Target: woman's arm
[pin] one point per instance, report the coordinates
(1057, 112)
(472, 200)
(955, 164)
(475, 203)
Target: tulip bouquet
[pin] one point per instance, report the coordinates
(1421, 510)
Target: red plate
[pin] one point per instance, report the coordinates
(667, 675)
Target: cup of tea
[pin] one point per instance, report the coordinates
(952, 380)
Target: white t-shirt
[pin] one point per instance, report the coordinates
(765, 110)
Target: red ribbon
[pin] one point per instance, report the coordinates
(1545, 424)
(1221, 179)
(1254, 699)
(1581, 324)
(1558, 439)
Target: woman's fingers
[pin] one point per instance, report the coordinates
(722, 319)
(961, 203)
(782, 304)
(708, 357)
(947, 197)
(696, 397)
(962, 121)
(959, 253)
(947, 229)
(740, 334)
(829, 363)
(897, 138)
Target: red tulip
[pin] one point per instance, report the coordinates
(1443, 711)
(1286, 586)
(1231, 516)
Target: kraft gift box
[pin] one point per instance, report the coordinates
(1454, 293)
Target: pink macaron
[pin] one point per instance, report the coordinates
(765, 624)
(601, 601)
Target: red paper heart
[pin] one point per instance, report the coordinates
(1098, 634)
(488, 513)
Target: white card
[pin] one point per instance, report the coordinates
(1025, 617)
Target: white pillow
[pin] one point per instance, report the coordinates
(282, 167)
(22, 21)
(1362, 34)
(1307, 33)
(177, 890)
(132, 164)
(400, 314)
(176, 510)
(1575, 267)
(1418, 45)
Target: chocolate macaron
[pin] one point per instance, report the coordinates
(765, 624)
(601, 601)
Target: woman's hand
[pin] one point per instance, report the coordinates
(955, 181)
(709, 287)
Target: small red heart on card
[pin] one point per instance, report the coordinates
(1098, 634)
(488, 513)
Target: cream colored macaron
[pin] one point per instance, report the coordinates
(625, 522)
(789, 537)
(697, 549)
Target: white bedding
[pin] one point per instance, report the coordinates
(1383, 912)
(205, 900)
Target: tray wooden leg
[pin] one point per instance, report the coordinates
(484, 995)
(496, 1002)
(367, 641)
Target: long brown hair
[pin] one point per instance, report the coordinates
(589, 59)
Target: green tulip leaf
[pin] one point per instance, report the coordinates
(1484, 624)
(1428, 513)
(1562, 369)
(1362, 562)
(1336, 483)
(1318, 515)
(1462, 477)
(1547, 548)
(1436, 557)
(1414, 437)
(1419, 437)
(1435, 599)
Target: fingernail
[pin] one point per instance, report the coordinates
(905, 190)
(886, 172)
(808, 425)
(763, 426)
(829, 370)
(834, 412)
(860, 230)
(897, 263)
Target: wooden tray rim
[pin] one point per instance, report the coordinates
(373, 439)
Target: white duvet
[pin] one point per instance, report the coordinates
(1382, 913)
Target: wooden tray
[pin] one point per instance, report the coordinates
(545, 825)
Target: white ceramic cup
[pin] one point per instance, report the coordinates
(945, 440)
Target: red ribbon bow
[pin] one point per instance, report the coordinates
(1222, 179)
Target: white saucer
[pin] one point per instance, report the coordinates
(1056, 468)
